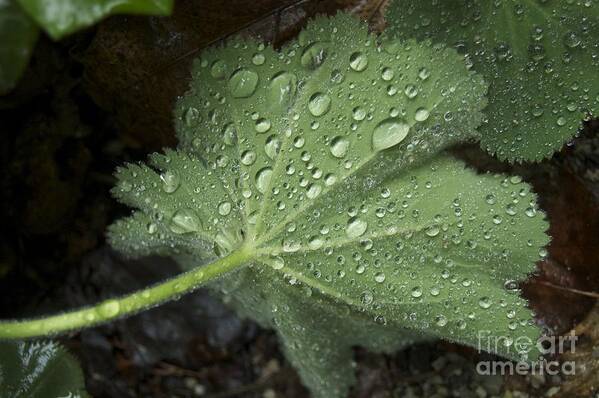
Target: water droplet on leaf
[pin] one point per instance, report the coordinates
(313, 56)
(319, 104)
(185, 221)
(262, 125)
(388, 133)
(217, 70)
(248, 158)
(170, 181)
(356, 227)
(366, 297)
(484, 302)
(282, 89)
(358, 61)
(224, 208)
(339, 147)
(263, 179)
(243, 83)
(421, 114)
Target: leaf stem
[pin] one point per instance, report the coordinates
(129, 304)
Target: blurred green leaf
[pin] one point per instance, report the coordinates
(540, 59)
(18, 34)
(37, 369)
(62, 17)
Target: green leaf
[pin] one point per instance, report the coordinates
(361, 232)
(39, 370)
(18, 35)
(541, 59)
(62, 17)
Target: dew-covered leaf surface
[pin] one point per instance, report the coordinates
(38, 370)
(540, 58)
(136, 68)
(18, 34)
(62, 17)
(324, 160)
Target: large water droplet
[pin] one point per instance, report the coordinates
(441, 320)
(358, 113)
(243, 83)
(416, 292)
(224, 208)
(170, 181)
(339, 147)
(272, 146)
(291, 246)
(411, 91)
(185, 221)
(258, 59)
(388, 133)
(248, 158)
(484, 302)
(319, 104)
(277, 262)
(229, 134)
(217, 70)
(366, 297)
(421, 114)
(511, 285)
(358, 61)
(387, 74)
(262, 125)
(282, 89)
(432, 231)
(423, 73)
(314, 55)
(191, 116)
(561, 121)
(152, 228)
(263, 179)
(355, 227)
(313, 191)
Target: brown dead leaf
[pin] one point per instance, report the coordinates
(586, 359)
(573, 260)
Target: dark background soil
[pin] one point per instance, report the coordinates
(103, 97)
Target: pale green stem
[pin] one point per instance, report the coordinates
(126, 305)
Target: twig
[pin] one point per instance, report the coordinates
(569, 289)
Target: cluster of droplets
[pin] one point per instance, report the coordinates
(370, 252)
(388, 262)
(175, 207)
(535, 69)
